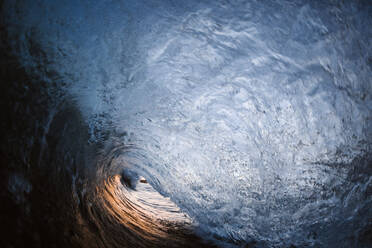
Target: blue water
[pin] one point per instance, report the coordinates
(253, 117)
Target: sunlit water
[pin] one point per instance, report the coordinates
(252, 119)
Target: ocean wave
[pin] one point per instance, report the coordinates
(186, 124)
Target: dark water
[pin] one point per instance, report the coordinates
(186, 124)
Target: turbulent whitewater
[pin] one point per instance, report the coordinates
(200, 123)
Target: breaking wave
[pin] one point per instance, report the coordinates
(186, 123)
